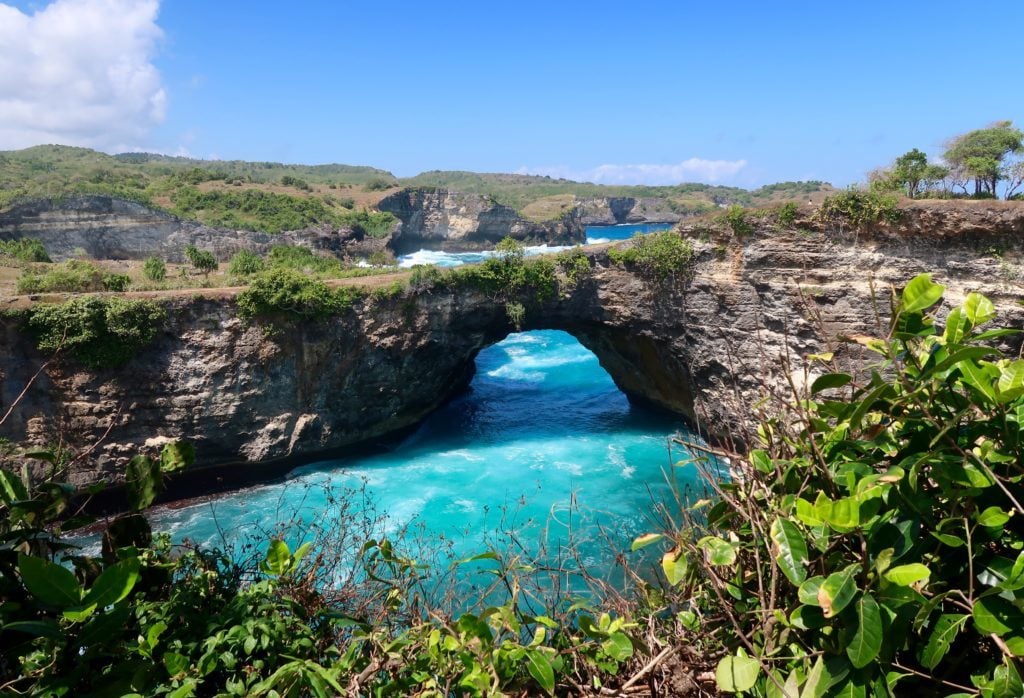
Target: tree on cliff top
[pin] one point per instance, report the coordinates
(204, 262)
(979, 154)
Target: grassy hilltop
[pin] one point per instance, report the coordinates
(273, 197)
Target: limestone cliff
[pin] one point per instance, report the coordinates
(703, 345)
(445, 220)
(623, 210)
(110, 228)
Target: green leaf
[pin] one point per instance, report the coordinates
(995, 615)
(39, 628)
(976, 377)
(830, 381)
(674, 564)
(818, 680)
(808, 591)
(808, 514)
(977, 309)
(956, 325)
(176, 455)
(718, 551)
(12, 489)
(618, 647)
(1011, 380)
(790, 550)
(920, 294)
(867, 640)
(1006, 681)
(540, 669)
(905, 575)
(114, 584)
(278, 559)
(943, 634)
(49, 582)
(645, 540)
(836, 592)
(735, 674)
(993, 516)
(175, 663)
(143, 482)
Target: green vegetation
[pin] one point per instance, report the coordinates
(379, 184)
(980, 154)
(285, 294)
(736, 218)
(100, 332)
(859, 208)
(661, 256)
(23, 250)
(519, 191)
(246, 263)
(785, 215)
(876, 527)
(73, 276)
(374, 224)
(154, 269)
(575, 264)
(201, 260)
(252, 209)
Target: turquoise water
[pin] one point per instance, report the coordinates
(541, 450)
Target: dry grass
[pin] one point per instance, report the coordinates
(548, 208)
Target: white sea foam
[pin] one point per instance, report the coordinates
(597, 241)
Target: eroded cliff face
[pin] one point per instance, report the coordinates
(704, 345)
(624, 210)
(109, 228)
(438, 219)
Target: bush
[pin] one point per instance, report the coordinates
(100, 332)
(25, 250)
(786, 214)
(860, 208)
(886, 514)
(284, 292)
(736, 218)
(575, 264)
(659, 255)
(202, 261)
(154, 269)
(302, 259)
(245, 263)
(374, 224)
(73, 276)
(379, 184)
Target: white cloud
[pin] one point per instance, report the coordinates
(79, 72)
(692, 170)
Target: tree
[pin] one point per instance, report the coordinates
(913, 172)
(204, 262)
(1013, 174)
(980, 153)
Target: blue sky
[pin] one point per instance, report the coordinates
(740, 93)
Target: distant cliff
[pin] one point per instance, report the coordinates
(621, 210)
(105, 227)
(439, 219)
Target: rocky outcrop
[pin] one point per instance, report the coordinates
(704, 345)
(439, 219)
(625, 210)
(110, 228)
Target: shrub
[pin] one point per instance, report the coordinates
(73, 276)
(575, 264)
(378, 184)
(154, 269)
(25, 250)
(860, 208)
(289, 181)
(786, 214)
(100, 332)
(736, 218)
(202, 261)
(876, 531)
(284, 292)
(382, 258)
(374, 224)
(245, 263)
(659, 255)
(302, 259)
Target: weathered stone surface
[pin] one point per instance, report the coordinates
(705, 347)
(109, 228)
(623, 210)
(438, 219)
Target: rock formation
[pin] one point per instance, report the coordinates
(703, 345)
(622, 210)
(105, 227)
(438, 219)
